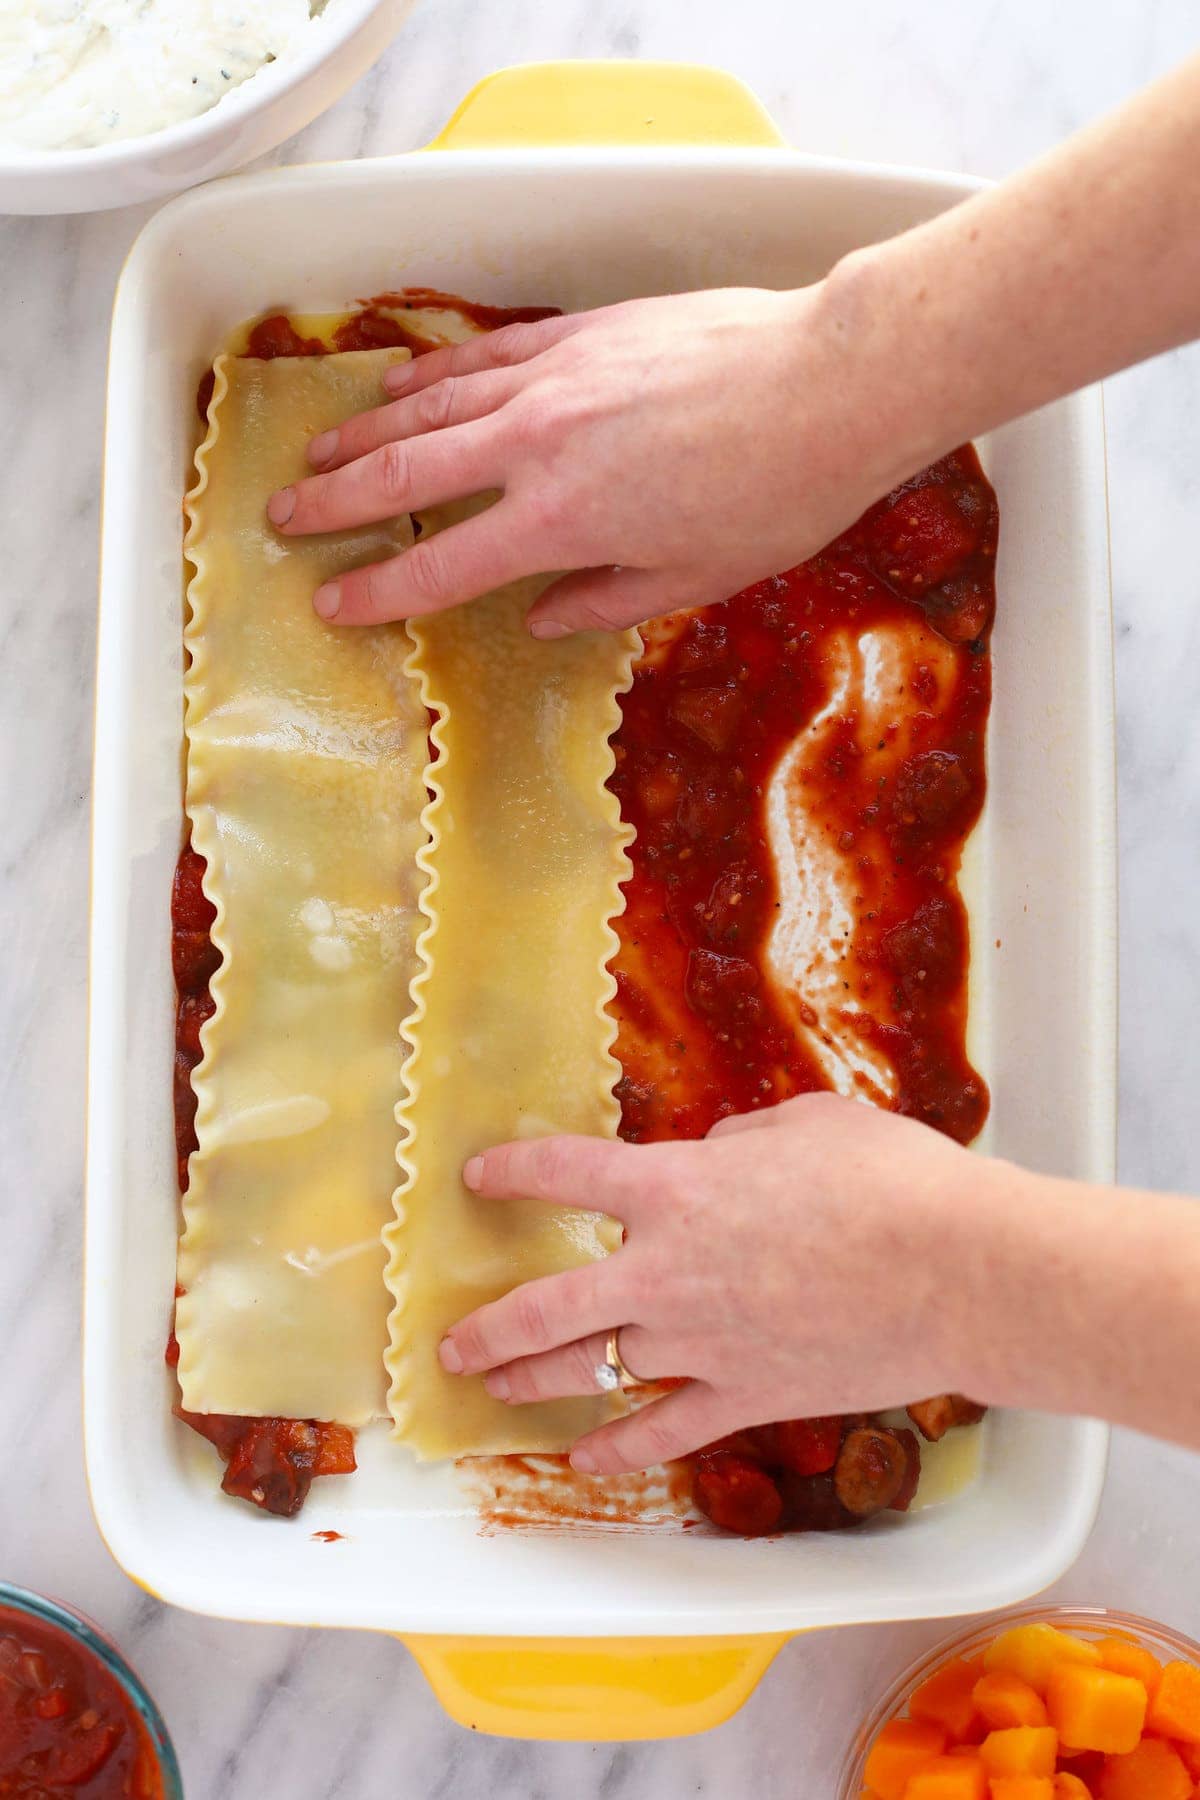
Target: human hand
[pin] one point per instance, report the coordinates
(811, 1259)
(669, 451)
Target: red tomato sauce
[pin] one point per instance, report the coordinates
(65, 1722)
(704, 1029)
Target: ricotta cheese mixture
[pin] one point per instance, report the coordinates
(78, 73)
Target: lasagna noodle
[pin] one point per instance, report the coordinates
(509, 1032)
(306, 749)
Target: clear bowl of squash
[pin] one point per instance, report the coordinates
(1058, 1703)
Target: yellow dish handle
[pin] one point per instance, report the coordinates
(557, 103)
(599, 1689)
(593, 1689)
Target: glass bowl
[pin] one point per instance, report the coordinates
(87, 1635)
(1085, 1621)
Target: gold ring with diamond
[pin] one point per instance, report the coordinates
(614, 1372)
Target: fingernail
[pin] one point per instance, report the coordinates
(323, 448)
(583, 1462)
(548, 628)
(497, 1385)
(281, 506)
(396, 376)
(473, 1173)
(327, 600)
(449, 1357)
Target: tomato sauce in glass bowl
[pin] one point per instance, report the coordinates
(74, 1717)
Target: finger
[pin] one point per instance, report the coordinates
(682, 1422)
(502, 349)
(436, 408)
(733, 1123)
(397, 478)
(571, 1369)
(597, 1174)
(539, 1315)
(609, 600)
(439, 571)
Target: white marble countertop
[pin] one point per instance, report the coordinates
(958, 84)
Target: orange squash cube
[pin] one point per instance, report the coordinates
(1022, 1787)
(1124, 1657)
(1189, 1756)
(946, 1699)
(901, 1748)
(1093, 1709)
(1031, 1651)
(1151, 1772)
(949, 1778)
(1070, 1787)
(1175, 1707)
(1023, 1750)
(1003, 1700)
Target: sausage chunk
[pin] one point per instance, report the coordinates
(871, 1470)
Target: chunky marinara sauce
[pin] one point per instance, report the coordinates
(65, 1722)
(704, 1031)
(705, 1027)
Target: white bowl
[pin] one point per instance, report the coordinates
(261, 112)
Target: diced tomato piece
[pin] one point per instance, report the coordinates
(919, 538)
(195, 1010)
(736, 1494)
(805, 1446)
(191, 909)
(713, 714)
(720, 984)
(82, 1755)
(195, 959)
(277, 336)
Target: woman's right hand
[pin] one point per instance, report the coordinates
(670, 451)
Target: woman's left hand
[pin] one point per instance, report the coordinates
(818, 1257)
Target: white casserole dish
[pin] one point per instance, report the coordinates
(272, 105)
(578, 226)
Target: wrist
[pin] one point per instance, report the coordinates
(1024, 1336)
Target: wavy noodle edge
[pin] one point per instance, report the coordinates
(203, 839)
(397, 1355)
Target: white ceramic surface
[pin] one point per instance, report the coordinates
(317, 1714)
(279, 100)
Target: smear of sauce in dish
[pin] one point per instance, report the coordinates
(541, 1491)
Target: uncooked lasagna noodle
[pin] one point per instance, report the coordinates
(305, 759)
(509, 1033)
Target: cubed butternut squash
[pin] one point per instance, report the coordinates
(1125, 1657)
(1151, 1772)
(1189, 1755)
(949, 1778)
(1093, 1709)
(1175, 1706)
(1070, 1787)
(1023, 1750)
(1003, 1700)
(901, 1748)
(1022, 1787)
(946, 1699)
(1031, 1651)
